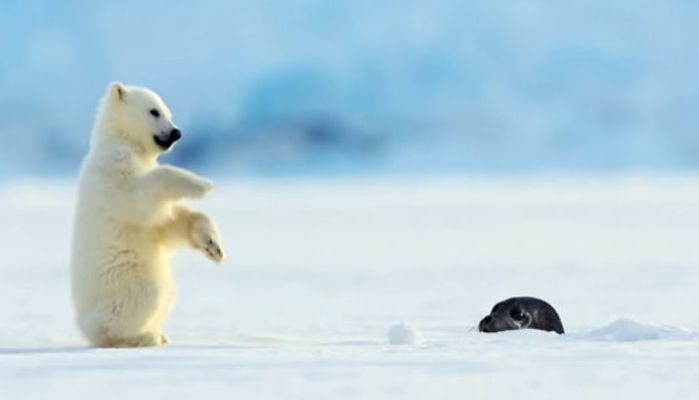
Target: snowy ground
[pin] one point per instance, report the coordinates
(319, 271)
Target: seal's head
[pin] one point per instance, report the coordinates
(521, 313)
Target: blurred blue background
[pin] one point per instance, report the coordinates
(318, 87)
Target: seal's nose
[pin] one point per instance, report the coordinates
(175, 135)
(483, 325)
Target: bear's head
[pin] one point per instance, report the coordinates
(138, 116)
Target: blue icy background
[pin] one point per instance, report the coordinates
(308, 87)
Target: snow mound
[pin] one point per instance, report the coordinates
(626, 330)
(403, 333)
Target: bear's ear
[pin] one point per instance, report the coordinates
(117, 91)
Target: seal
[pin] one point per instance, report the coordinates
(522, 313)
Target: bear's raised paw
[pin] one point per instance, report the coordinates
(207, 239)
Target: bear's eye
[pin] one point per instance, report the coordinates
(155, 113)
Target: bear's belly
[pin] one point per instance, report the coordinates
(119, 263)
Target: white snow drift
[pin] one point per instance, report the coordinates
(330, 266)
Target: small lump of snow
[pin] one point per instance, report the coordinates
(626, 330)
(403, 333)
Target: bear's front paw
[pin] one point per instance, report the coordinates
(213, 250)
(207, 239)
(200, 187)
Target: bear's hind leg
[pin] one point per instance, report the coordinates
(132, 322)
(99, 332)
(148, 339)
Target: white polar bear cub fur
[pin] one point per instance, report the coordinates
(129, 220)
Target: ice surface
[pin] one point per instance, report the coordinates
(319, 270)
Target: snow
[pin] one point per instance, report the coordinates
(403, 333)
(320, 270)
(626, 330)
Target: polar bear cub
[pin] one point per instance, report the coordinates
(129, 219)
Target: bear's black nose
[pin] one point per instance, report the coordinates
(175, 135)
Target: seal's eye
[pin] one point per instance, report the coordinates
(516, 314)
(155, 113)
